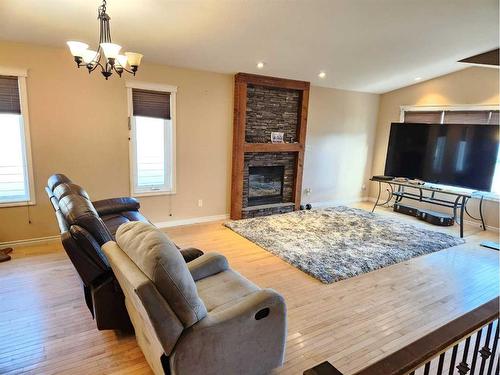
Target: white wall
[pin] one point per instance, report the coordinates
(339, 146)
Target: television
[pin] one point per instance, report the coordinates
(461, 155)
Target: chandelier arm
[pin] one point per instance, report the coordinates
(108, 66)
(95, 65)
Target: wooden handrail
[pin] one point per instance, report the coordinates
(421, 351)
(424, 349)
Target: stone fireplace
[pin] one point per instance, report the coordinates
(266, 176)
(271, 171)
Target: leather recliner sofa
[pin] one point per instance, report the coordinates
(85, 226)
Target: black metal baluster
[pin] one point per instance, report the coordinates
(476, 351)
(440, 364)
(453, 359)
(485, 350)
(463, 368)
(427, 368)
(493, 352)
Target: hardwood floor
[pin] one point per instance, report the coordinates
(45, 328)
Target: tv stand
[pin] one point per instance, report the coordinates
(457, 200)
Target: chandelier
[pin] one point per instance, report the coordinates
(112, 61)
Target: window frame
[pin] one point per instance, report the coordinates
(23, 98)
(134, 190)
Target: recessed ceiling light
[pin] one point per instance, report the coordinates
(260, 65)
(418, 78)
(322, 75)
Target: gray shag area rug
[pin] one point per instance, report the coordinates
(336, 243)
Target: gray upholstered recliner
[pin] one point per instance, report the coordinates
(195, 318)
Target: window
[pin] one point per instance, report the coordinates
(16, 177)
(486, 115)
(152, 139)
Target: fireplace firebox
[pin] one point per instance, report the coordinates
(265, 185)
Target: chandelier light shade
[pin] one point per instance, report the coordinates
(112, 61)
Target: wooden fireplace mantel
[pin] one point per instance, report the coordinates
(240, 147)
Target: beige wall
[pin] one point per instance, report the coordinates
(340, 134)
(469, 86)
(79, 127)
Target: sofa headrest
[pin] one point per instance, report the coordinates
(78, 210)
(159, 259)
(57, 179)
(67, 188)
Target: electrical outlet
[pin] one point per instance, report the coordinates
(200, 202)
(307, 191)
(363, 187)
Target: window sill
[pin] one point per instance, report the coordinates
(17, 204)
(152, 193)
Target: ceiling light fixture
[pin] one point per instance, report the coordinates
(322, 75)
(260, 65)
(113, 61)
(418, 78)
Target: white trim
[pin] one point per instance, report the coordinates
(23, 101)
(337, 202)
(17, 204)
(30, 241)
(190, 221)
(482, 65)
(23, 98)
(15, 72)
(150, 86)
(173, 118)
(439, 108)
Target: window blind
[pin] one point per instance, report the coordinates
(495, 118)
(9, 95)
(151, 103)
(470, 117)
(423, 117)
(452, 117)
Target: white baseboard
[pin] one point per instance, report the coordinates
(193, 220)
(337, 202)
(30, 241)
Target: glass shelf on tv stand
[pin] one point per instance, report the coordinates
(459, 204)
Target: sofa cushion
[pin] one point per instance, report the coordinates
(67, 188)
(57, 179)
(78, 210)
(113, 221)
(116, 205)
(158, 258)
(224, 288)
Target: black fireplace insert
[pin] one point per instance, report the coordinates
(265, 185)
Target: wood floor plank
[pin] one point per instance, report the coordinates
(45, 327)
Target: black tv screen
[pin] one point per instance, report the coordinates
(448, 154)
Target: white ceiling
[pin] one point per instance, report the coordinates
(364, 45)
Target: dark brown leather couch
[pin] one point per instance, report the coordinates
(85, 226)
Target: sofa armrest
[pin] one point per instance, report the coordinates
(249, 332)
(251, 307)
(207, 265)
(116, 205)
(190, 253)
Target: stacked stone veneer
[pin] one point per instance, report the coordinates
(264, 159)
(269, 110)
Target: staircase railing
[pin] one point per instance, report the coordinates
(465, 346)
